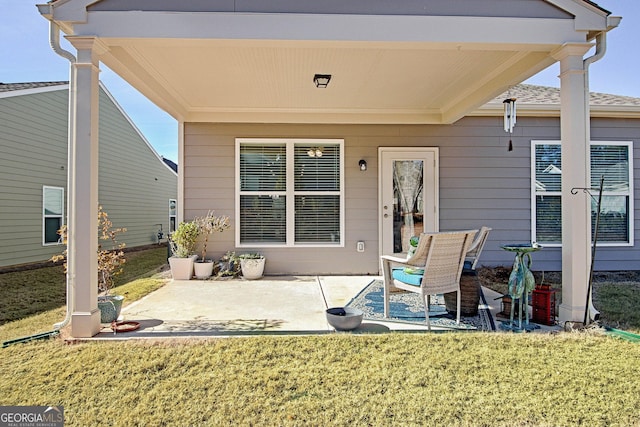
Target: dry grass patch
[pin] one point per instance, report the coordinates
(43, 322)
(30, 292)
(615, 294)
(455, 379)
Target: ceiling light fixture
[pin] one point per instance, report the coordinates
(321, 80)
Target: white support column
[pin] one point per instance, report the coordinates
(83, 224)
(576, 209)
(180, 172)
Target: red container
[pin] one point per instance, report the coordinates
(543, 302)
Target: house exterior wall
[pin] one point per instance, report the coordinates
(481, 183)
(33, 143)
(33, 135)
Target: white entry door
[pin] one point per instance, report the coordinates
(408, 196)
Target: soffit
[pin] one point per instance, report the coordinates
(258, 67)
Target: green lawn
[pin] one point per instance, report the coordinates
(451, 379)
(446, 379)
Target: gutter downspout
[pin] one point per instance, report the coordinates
(591, 313)
(54, 41)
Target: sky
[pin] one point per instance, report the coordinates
(25, 56)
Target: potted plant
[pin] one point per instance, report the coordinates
(252, 265)
(229, 265)
(206, 225)
(183, 244)
(110, 264)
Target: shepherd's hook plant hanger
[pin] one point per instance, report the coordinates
(593, 247)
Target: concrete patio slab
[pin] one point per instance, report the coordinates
(286, 305)
(220, 307)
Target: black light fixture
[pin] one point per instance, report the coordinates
(321, 80)
(363, 165)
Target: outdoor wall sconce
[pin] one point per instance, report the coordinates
(321, 80)
(363, 165)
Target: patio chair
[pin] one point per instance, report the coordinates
(434, 268)
(473, 254)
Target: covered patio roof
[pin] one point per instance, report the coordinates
(416, 61)
(391, 61)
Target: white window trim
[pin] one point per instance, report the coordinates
(289, 192)
(44, 188)
(630, 214)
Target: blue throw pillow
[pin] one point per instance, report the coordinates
(403, 276)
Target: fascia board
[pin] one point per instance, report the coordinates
(366, 28)
(586, 15)
(71, 10)
(32, 91)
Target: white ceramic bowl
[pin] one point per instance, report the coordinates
(344, 318)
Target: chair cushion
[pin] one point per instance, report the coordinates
(407, 276)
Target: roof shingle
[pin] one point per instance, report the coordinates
(8, 87)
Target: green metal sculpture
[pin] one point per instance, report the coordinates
(521, 283)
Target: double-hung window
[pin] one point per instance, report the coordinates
(52, 214)
(290, 192)
(614, 161)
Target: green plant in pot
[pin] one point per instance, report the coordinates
(110, 264)
(207, 225)
(183, 245)
(229, 265)
(252, 265)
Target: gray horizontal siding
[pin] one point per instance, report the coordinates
(31, 130)
(33, 140)
(481, 183)
(135, 185)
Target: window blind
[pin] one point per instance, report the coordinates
(609, 160)
(263, 219)
(290, 182)
(317, 219)
(263, 167)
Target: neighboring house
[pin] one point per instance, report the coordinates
(136, 186)
(171, 164)
(279, 102)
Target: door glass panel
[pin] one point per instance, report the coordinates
(408, 215)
